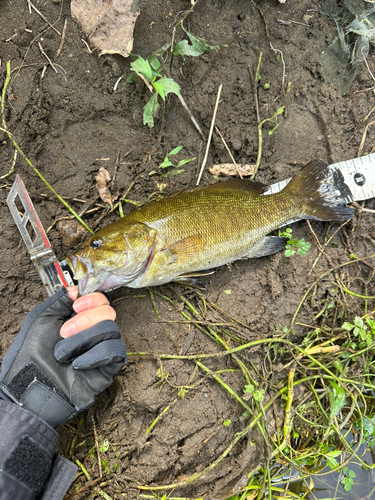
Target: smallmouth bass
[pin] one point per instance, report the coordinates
(202, 228)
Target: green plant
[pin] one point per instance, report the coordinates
(348, 480)
(258, 394)
(196, 48)
(300, 246)
(148, 70)
(360, 331)
(168, 163)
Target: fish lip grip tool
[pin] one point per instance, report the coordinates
(54, 274)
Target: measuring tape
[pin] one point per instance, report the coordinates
(355, 179)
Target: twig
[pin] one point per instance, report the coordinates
(62, 37)
(360, 149)
(117, 162)
(230, 154)
(45, 55)
(210, 133)
(369, 70)
(182, 101)
(87, 45)
(97, 445)
(284, 70)
(368, 115)
(43, 17)
(15, 144)
(116, 84)
(12, 167)
(264, 20)
(85, 487)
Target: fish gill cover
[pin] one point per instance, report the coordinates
(355, 23)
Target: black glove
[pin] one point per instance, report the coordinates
(54, 378)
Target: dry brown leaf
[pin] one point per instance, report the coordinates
(230, 169)
(102, 178)
(108, 25)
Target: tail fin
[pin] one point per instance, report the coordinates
(315, 190)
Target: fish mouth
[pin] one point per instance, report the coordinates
(84, 273)
(103, 280)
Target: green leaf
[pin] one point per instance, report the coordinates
(154, 63)
(351, 473)
(104, 446)
(227, 422)
(131, 78)
(331, 462)
(184, 49)
(347, 487)
(175, 151)
(249, 389)
(371, 324)
(338, 365)
(289, 252)
(358, 322)
(175, 172)
(347, 326)
(336, 399)
(183, 162)
(166, 86)
(259, 395)
(151, 108)
(198, 46)
(334, 453)
(143, 67)
(166, 163)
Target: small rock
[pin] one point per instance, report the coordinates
(71, 232)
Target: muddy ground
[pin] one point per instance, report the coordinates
(72, 122)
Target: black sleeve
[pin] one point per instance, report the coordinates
(29, 468)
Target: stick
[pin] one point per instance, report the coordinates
(230, 154)
(43, 17)
(210, 134)
(364, 138)
(48, 59)
(97, 446)
(62, 37)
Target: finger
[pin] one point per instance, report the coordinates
(72, 292)
(87, 319)
(74, 346)
(90, 301)
(110, 352)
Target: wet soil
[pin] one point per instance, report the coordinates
(72, 122)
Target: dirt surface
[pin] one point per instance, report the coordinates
(71, 122)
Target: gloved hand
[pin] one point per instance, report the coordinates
(56, 378)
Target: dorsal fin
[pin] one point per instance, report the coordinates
(231, 185)
(252, 187)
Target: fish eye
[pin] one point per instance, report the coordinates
(96, 244)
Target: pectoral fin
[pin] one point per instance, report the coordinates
(183, 250)
(267, 246)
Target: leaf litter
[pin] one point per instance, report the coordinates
(109, 26)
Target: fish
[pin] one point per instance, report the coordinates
(181, 236)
